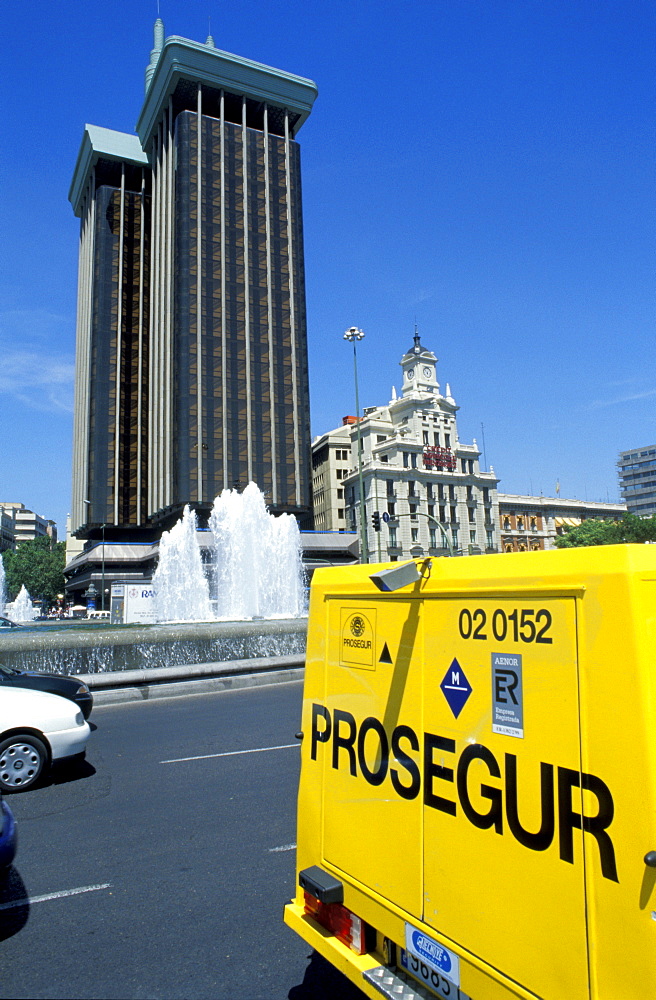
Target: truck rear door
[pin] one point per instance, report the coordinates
(503, 871)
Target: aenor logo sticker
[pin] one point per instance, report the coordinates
(357, 638)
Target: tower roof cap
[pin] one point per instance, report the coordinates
(183, 59)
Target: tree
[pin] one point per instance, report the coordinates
(594, 532)
(38, 565)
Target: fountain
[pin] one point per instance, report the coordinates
(180, 585)
(252, 559)
(257, 559)
(247, 566)
(22, 609)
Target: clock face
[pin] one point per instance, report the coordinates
(427, 372)
(411, 373)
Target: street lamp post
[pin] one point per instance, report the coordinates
(354, 334)
(102, 598)
(102, 588)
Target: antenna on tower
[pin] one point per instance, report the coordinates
(483, 440)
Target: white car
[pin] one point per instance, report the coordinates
(36, 729)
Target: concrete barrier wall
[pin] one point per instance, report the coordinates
(101, 650)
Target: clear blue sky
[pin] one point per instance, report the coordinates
(484, 168)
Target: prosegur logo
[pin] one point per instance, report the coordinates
(357, 638)
(357, 625)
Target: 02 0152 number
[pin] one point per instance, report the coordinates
(527, 625)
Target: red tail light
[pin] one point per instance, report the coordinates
(336, 918)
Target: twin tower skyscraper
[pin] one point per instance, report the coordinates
(191, 357)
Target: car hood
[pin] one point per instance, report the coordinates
(35, 709)
(60, 678)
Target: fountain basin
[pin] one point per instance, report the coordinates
(144, 647)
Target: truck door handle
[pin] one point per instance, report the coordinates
(650, 859)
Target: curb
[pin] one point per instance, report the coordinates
(120, 687)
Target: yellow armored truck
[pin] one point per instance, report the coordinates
(477, 803)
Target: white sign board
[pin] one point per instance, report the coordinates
(133, 603)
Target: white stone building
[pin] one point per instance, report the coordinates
(529, 523)
(424, 483)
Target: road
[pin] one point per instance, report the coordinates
(150, 875)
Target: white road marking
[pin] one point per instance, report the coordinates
(230, 753)
(28, 900)
(285, 847)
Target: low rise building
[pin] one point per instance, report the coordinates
(422, 486)
(530, 523)
(22, 525)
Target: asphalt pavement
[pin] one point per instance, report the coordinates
(158, 869)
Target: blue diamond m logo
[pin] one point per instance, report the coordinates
(456, 688)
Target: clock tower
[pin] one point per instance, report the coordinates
(418, 366)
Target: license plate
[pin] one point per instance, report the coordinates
(439, 984)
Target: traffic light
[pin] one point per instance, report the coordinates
(375, 517)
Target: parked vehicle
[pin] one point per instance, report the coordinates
(36, 730)
(7, 837)
(6, 623)
(61, 684)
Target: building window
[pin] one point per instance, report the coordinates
(429, 491)
(432, 536)
(389, 483)
(413, 511)
(440, 492)
(413, 459)
(489, 537)
(380, 438)
(447, 440)
(406, 460)
(436, 439)
(442, 513)
(392, 538)
(472, 515)
(340, 513)
(452, 492)
(340, 494)
(411, 488)
(506, 524)
(425, 437)
(415, 534)
(472, 537)
(384, 458)
(391, 508)
(431, 510)
(520, 523)
(463, 464)
(453, 515)
(486, 494)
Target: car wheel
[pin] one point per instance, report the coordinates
(22, 759)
